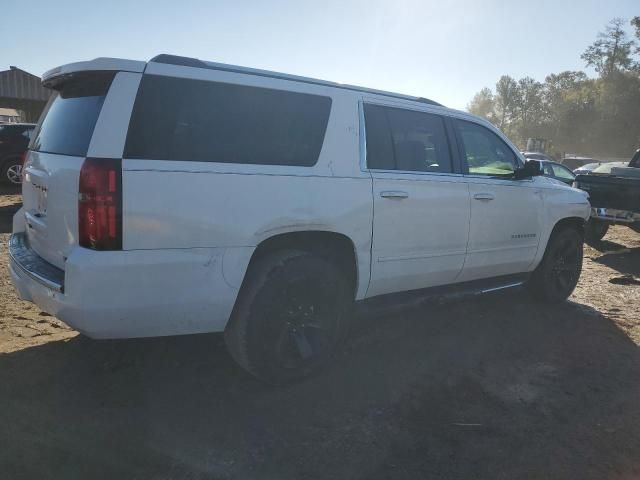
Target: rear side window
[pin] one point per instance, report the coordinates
(67, 123)
(406, 140)
(195, 120)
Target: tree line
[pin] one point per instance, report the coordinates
(598, 117)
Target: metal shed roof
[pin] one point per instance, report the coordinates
(20, 85)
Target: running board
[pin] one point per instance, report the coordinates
(384, 304)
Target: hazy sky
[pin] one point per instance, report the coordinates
(442, 50)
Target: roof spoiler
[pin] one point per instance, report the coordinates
(97, 64)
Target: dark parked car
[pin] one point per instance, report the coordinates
(14, 139)
(557, 171)
(614, 193)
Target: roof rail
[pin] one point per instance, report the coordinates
(197, 63)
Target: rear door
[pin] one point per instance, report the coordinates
(421, 205)
(61, 142)
(506, 214)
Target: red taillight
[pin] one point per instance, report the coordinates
(100, 204)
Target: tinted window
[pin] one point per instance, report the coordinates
(379, 147)
(68, 121)
(178, 119)
(406, 140)
(484, 151)
(562, 172)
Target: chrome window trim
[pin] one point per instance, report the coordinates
(411, 172)
(489, 177)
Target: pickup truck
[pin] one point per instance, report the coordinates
(614, 193)
(178, 196)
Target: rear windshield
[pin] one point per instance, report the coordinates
(67, 123)
(195, 120)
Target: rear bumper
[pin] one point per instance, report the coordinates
(615, 216)
(125, 294)
(30, 264)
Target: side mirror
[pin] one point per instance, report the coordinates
(531, 168)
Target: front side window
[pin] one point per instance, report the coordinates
(406, 140)
(196, 120)
(485, 152)
(562, 172)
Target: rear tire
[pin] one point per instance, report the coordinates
(290, 317)
(595, 230)
(559, 271)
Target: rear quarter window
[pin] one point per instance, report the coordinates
(195, 120)
(68, 121)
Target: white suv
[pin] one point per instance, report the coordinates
(178, 196)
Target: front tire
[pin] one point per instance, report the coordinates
(595, 230)
(290, 317)
(557, 275)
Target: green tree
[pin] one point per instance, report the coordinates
(617, 130)
(635, 23)
(505, 102)
(570, 99)
(611, 52)
(529, 108)
(599, 117)
(483, 104)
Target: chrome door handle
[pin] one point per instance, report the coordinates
(394, 194)
(483, 196)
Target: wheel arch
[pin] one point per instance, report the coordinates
(576, 223)
(333, 246)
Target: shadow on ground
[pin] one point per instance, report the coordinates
(6, 217)
(9, 189)
(625, 260)
(493, 388)
(8, 209)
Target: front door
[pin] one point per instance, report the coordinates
(506, 214)
(421, 207)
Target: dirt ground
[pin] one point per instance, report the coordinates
(494, 388)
